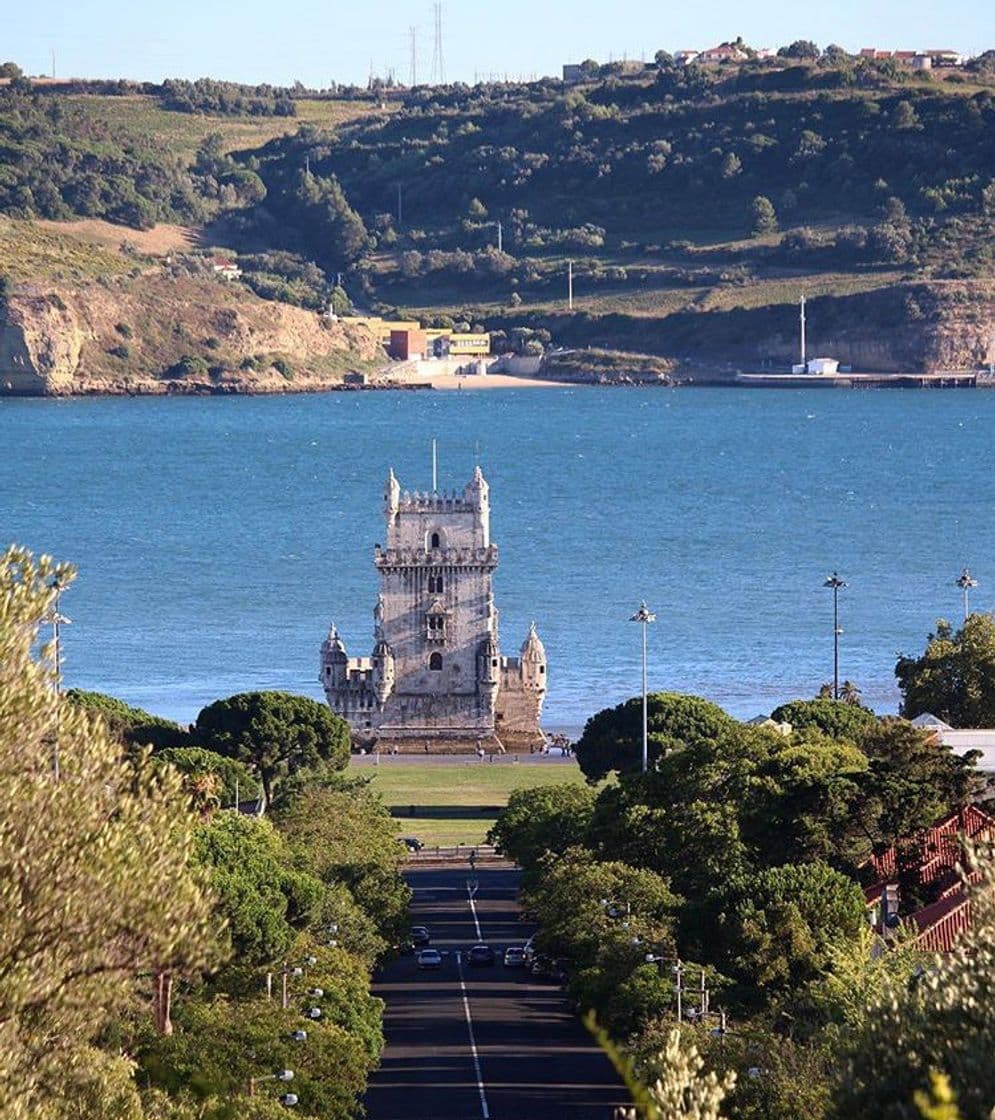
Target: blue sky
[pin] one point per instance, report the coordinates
(258, 40)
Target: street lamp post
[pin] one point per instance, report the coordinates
(644, 616)
(965, 581)
(57, 620)
(836, 584)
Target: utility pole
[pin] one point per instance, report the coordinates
(570, 285)
(500, 230)
(400, 213)
(413, 72)
(802, 318)
(438, 55)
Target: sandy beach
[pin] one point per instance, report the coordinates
(489, 381)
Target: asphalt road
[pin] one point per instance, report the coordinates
(466, 1043)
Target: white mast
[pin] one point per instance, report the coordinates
(802, 317)
(435, 469)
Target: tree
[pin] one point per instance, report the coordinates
(262, 896)
(800, 48)
(732, 165)
(96, 879)
(132, 726)
(776, 929)
(341, 831)
(210, 779)
(954, 678)
(543, 819)
(670, 1084)
(612, 738)
(276, 733)
(477, 209)
(763, 218)
(10, 70)
(835, 718)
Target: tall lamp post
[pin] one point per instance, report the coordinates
(57, 620)
(644, 616)
(965, 581)
(837, 585)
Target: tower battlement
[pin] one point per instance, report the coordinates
(436, 680)
(432, 502)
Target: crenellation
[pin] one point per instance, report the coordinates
(436, 679)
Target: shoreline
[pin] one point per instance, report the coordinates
(450, 382)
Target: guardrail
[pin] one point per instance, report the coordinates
(475, 854)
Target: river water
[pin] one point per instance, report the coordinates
(216, 538)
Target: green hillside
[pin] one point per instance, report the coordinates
(675, 192)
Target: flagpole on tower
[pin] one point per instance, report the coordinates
(435, 468)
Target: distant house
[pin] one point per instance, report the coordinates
(573, 72)
(822, 365)
(686, 57)
(928, 722)
(724, 52)
(226, 269)
(945, 59)
(932, 862)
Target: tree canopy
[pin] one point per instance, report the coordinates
(612, 738)
(275, 733)
(835, 717)
(96, 882)
(954, 677)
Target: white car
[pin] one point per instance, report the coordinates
(429, 958)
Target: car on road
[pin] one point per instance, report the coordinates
(514, 956)
(420, 936)
(481, 955)
(412, 843)
(429, 958)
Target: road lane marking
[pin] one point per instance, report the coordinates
(470, 892)
(484, 1111)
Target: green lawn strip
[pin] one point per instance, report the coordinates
(456, 803)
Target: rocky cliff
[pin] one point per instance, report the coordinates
(156, 333)
(911, 327)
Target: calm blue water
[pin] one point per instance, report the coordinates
(216, 538)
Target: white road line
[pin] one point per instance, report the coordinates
(470, 892)
(484, 1111)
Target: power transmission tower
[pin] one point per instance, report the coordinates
(413, 74)
(438, 56)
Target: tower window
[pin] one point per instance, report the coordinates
(434, 541)
(435, 584)
(435, 662)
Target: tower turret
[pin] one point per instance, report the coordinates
(533, 662)
(334, 660)
(391, 494)
(477, 495)
(488, 671)
(384, 672)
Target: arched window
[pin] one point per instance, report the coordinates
(435, 585)
(435, 541)
(435, 662)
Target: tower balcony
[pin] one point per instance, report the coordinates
(401, 559)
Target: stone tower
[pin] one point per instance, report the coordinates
(436, 680)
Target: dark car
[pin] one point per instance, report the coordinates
(480, 955)
(542, 967)
(412, 843)
(420, 936)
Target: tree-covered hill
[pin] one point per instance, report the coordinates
(673, 192)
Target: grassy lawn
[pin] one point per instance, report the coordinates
(456, 802)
